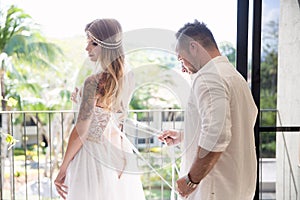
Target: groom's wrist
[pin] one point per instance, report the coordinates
(190, 182)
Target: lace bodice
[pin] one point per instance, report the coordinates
(98, 124)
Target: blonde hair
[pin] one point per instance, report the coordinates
(107, 33)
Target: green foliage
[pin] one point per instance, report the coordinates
(227, 49)
(20, 38)
(14, 23)
(151, 96)
(268, 108)
(269, 74)
(30, 59)
(268, 148)
(151, 56)
(152, 182)
(152, 68)
(31, 151)
(268, 97)
(19, 152)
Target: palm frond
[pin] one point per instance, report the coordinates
(15, 22)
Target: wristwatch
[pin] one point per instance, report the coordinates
(189, 182)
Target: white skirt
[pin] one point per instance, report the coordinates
(90, 179)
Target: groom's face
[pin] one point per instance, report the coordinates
(185, 57)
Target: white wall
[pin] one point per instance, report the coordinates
(288, 101)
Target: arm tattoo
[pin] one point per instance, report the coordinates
(88, 98)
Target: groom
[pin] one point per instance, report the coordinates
(219, 159)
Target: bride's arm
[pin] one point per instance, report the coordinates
(85, 115)
(79, 132)
(74, 145)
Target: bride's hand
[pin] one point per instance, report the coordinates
(74, 95)
(59, 184)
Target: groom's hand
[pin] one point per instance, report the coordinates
(183, 189)
(170, 137)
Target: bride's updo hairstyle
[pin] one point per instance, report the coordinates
(107, 33)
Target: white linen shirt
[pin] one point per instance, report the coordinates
(220, 117)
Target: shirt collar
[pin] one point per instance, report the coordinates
(210, 63)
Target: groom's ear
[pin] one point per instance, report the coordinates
(194, 47)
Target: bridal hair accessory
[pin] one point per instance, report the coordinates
(103, 44)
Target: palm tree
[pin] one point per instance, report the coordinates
(21, 47)
(24, 47)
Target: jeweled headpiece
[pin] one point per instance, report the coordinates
(107, 45)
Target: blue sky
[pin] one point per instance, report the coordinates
(270, 10)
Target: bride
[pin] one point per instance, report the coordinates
(99, 163)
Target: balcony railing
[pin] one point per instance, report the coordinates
(28, 169)
(279, 171)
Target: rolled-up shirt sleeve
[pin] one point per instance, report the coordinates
(214, 110)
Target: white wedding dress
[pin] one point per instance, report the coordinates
(105, 167)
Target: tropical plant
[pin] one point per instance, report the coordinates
(27, 56)
(26, 60)
(152, 63)
(227, 49)
(268, 84)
